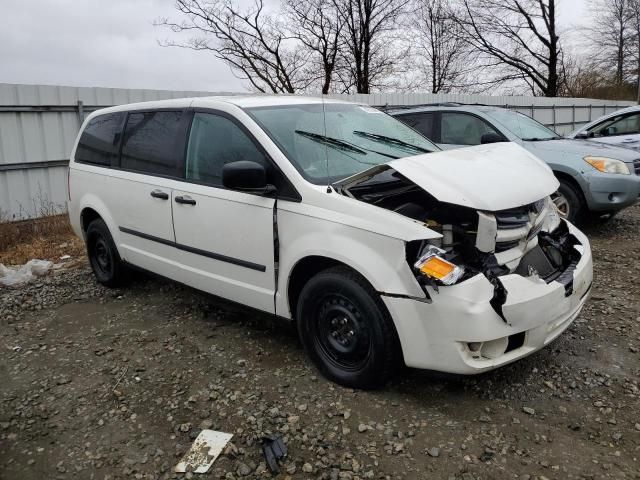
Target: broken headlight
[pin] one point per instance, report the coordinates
(552, 219)
(433, 265)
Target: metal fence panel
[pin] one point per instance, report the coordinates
(39, 123)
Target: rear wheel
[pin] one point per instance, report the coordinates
(569, 202)
(346, 329)
(103, 255)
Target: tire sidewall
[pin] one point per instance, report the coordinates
(96, 231)
(576, 206)
(370, 375)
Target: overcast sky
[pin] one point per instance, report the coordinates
(113, 43)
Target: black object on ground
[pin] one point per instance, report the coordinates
(274, 450)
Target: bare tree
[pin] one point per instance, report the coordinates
(251, 42)
(634, 45)
(518, 40)
(367, 55)
(441, 51)
(317, 26)
(609, 34)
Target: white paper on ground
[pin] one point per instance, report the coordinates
(205, 449)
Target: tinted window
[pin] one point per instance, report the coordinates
(151, 143)
(99, 141)
(422, 122)
(463, 129)
(215, 141)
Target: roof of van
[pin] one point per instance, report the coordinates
(242, 101)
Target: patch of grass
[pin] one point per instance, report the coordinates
(46, 238)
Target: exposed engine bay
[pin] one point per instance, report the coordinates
(528, 240)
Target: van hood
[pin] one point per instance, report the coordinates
(580, 148)
(490, 177)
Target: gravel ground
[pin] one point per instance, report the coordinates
(106, 384)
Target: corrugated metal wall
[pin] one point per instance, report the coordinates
(39, 123)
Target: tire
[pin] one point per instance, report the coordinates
(346, 330)
(103, 255)
(569, 201)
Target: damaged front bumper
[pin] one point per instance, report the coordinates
(460, 331)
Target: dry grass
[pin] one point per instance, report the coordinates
(46, 238)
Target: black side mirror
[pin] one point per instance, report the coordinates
(582, 136)
(491, 138)
(246, 176)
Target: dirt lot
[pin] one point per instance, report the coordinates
(116, 384)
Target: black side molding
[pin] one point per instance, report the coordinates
(197, 251)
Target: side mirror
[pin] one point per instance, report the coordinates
(246, 176)
(582, 136)
(490, 138)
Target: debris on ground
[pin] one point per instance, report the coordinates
(14, 276)
(274, 450)
(203, 452)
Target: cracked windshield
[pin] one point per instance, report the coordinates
(333, 141)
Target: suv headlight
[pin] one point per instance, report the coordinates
(433, 265)
(608, 165)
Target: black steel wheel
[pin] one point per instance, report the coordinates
(346, 329)
(103, 255)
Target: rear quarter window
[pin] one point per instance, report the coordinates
(99, 141)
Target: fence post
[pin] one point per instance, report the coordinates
(573, 117)
(80, 112)
(553, 113)
(590, 112)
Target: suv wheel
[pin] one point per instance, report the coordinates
(346, 329)
(103, 255)
(569, 202)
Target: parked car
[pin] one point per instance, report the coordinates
(335, 216)
(620, 128)
(595, 179)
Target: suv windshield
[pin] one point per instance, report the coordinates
(526, 128)
(333, 141)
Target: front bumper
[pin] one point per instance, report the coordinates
(608, 191)
(437, 335)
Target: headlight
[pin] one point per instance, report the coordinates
(552, 220)
(433, 265)
(608, 165)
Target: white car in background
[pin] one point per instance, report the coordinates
(620, 128)
(340, 218)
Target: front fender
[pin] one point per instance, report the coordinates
(378, 258)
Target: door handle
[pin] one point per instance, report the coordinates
(160, 194)
(185, 199)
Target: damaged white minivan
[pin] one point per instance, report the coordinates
(381, 248)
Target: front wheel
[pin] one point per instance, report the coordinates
(569, 202)
(346, 330)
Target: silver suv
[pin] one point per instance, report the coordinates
(595, 179)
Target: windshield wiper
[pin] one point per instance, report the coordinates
(538, 139)
(341, 144)
(390, 140)
(332, 142)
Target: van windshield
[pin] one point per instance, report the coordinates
(351, 138)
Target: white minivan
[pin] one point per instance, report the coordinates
(336, 216)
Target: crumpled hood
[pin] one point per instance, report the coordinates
(490, 177)
(581, 148)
